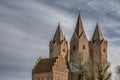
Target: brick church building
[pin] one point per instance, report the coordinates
(62, 62)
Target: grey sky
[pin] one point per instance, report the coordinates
(26, 27)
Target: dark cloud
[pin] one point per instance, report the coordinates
(26, 27)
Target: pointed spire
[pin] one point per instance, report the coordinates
(58, 34)
(79, 26)
(97, 34)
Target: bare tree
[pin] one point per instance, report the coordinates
(117, 72)
(103, 73)
(82, 68)
(82, 71)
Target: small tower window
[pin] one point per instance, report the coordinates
(74, 47)
(91, 50)
(104, 50)
(83, 47)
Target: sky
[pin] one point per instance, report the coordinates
(27, 26)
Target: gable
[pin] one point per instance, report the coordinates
(60, 64)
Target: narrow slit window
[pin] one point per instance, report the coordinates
(74, 47)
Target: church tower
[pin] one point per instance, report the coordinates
(79, 43)
(58, 44)
(98, 51)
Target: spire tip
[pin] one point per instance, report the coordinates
(79, 11)
(97, 22)
(58, 23)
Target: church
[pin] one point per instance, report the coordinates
(64, 61)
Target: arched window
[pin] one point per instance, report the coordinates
(63, 50)
(83, 47)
